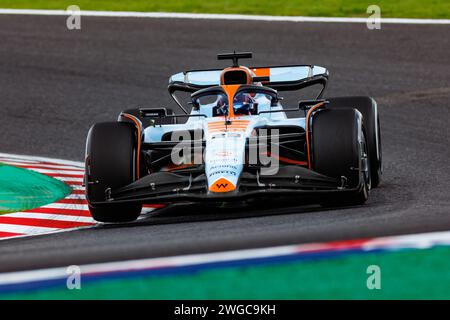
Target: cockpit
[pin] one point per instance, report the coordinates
(250, 100)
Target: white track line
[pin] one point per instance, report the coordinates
(75, 187)
(79, 172)
(43, 233)
(49, 216)
(71, 206)
(41, 165)
(217, 16)
(23, 162)
(25, 230)
(69, 180)
(76, 196)
(46, 168)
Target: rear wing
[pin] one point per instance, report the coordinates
(281, 78)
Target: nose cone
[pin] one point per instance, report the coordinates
(224, 154)
(222, 185)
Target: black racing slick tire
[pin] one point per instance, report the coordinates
(338, 144)
(110, 164)
(369, 110)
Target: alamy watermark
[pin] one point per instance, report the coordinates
(374, 279)
(374, 20)
(73, 22)
(73, 281)
(262, 150)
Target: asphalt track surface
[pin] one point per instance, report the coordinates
(55, 83)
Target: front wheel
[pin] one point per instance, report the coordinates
(339, 150)
(110, 164)
(369, 110)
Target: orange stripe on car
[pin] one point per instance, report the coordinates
(236, 125)
(173, 167)
(308, 143)
(231, 91)
(261, 72)
(286, 160)
(138, 152)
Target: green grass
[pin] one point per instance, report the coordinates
(325, 8)
(408, 274)
(22, 189)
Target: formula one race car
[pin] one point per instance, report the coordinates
(237, 143)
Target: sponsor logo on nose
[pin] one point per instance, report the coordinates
(222, 185)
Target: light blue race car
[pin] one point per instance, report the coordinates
(234, 143)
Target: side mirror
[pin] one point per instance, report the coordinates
(194, 105)
(153, 112)
(275, 101)
(306, 104)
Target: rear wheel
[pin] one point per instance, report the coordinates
(339, 151)
(369, 110)
(110, 164)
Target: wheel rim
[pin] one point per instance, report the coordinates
(380, 154)
(365, 163)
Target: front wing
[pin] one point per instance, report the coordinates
(168, 187)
